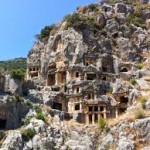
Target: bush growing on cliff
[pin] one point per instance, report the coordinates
(102, 123)
(28, 134)
(136, 21)
(79, 22)
(45, 33)
(75, 20)
(93, 7)
(132, 81)
(39, 114)
(139, 65)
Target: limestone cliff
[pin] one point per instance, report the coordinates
(87, 84)
(91, 60)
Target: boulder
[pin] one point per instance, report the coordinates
(120, 8)
(146, 14)
(13, 86)
(124, 144)
(108, 139)
(142, 127)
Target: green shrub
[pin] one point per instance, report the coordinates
(18, 73)
(112, 2)
(37, 109)
(40, 116)
(76, 21)
(135, 20)
(66, 17)
(79, 22)
(102, 123)
(138, 11)
(45, 33)
(93, 7)
(132, 81)
(139, 114)
(28, 134)
(139, 65)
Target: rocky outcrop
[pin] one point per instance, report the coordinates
(92, 65)
(12, 110)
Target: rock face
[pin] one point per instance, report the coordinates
(80, 67)
(142, 128)
(11, 112)
(91, 66)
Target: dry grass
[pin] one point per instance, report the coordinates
(115, 121)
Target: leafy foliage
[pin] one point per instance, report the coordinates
(75, 20)
(79, 22)
(135, 20)
(132, 81)
(45, 33)
(93, 7)
(139, 65)
(102, 123)
(28, 134)
(39, 114)
(18, 73)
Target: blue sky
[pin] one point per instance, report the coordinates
(20, 20)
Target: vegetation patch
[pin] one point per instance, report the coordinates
(133, 81)
(143, 102)
(28, 134)
(102, 123)
(139, 65)
(18, 73)
(137, 21)
(17, 63)
(93, 7)
(139, 114)
(79, 22)
(45, 33)
(39, 114)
